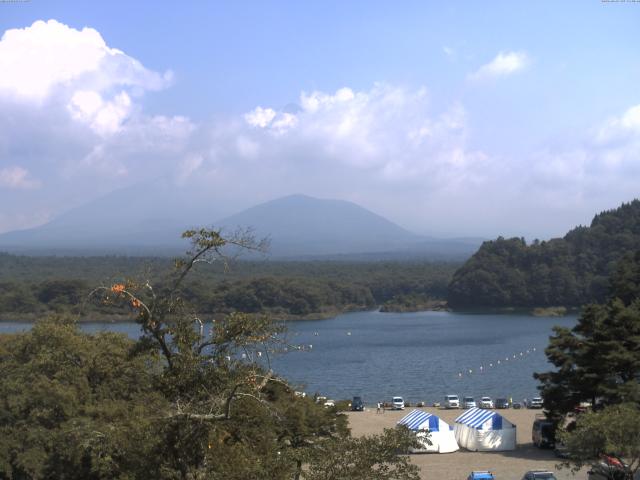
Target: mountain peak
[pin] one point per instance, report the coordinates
(300, 224)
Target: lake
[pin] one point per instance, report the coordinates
(421, 356)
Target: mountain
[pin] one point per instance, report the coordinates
(302, 225)
(568, 271)
(128, 221)
(149, 219)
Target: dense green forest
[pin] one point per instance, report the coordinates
(568, 271)
(181, 402)
(32, 286)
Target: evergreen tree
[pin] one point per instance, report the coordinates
(598, 360)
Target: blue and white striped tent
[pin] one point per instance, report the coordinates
(484, 430)
(441, 434)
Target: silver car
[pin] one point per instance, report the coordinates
(469, 402)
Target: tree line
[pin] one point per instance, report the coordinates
(286, 289)
(568, 271)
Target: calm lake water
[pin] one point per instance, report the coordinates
(420, 356)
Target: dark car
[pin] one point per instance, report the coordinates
(502, 403)
(539, 474)
(543, 433)
(357, 405)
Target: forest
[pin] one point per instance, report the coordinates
(568, 271)
(179, 403)
(33, 286)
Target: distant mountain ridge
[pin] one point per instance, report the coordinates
(568, 271)
(303, 225)
(299, 226)
(127, 221)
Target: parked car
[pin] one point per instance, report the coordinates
(539, 475)
(357, 405)
(329, 403)
(486, 402)
(481, 475)
(502, 403)
(469, 402)
(516, 405)
(451, 401)
(543, 433)
(398, 403)
(536, 402)
(608, 468)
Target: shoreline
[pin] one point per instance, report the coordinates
(432, 306)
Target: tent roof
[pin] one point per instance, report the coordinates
(476, 417)
(417, 417)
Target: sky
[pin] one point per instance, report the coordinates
(448, 118)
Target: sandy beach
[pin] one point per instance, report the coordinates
(451, 466)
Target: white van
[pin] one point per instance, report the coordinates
(451, 401)
(398, 403)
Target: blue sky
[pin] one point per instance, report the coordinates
(526, 109)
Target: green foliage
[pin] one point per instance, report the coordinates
(74, 406)
(41, 285)
(569, 271)
(598, 360)
(613, 432)
(366, 458)
(187, 401)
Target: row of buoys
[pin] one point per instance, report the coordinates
(500, 361)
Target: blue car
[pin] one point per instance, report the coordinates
(481, 475)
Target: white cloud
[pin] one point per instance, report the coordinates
(505, 63)
(72, 121)
(51, 63)
(383, 147)
(17, 177)
(601, 171)
(104, 117)
(260, 117)
(47, 55)
(73, 127)
(625, 126)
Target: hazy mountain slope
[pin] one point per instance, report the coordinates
(571, 271)
(130, 220)
(148, 220)
(302, 225)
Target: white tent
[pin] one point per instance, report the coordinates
(484, 431)
(440, 432)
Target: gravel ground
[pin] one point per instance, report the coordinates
(451, 466)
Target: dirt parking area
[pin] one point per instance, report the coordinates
(452, 466)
